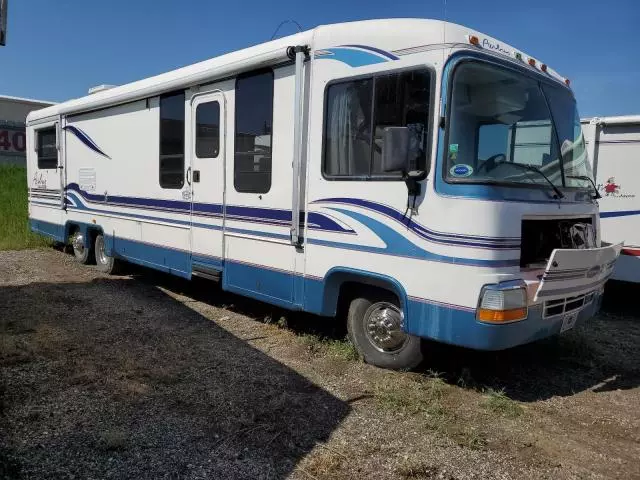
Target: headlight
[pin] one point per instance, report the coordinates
(502, 303)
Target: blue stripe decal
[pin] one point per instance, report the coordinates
(398, 245)
(268, 216)
(507, 243)
(354, 57)
(80, 206)
(84, 138)
(622, 213)
(390, 56)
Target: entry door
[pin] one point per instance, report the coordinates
(48, 176)
(206, 176)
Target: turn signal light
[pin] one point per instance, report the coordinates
(567, 81)
(503, 302)
(501, 316)
(473, 40)
(532, 62)
(543, 67)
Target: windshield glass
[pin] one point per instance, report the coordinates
(571, 141)
(499, 118)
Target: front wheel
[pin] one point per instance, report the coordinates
(375, 329)
(104, 262)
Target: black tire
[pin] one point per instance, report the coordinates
(82, 254)
(104, 263)
(404, 356)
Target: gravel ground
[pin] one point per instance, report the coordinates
(150, 376)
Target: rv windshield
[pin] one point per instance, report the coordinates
(499, 118)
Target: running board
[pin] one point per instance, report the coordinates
(206, 272)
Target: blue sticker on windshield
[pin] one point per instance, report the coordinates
(461, 170)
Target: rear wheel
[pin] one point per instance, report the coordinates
(104, 262)
(375, 328)
(82, 254)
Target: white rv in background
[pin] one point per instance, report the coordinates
(403, 169)
(613, 144)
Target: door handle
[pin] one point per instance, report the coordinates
(196, 176)
(189, 175)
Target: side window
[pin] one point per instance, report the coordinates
(208, 130)
(358, 111)
(254, 125)
(47, 151)
(402, 100)
(348, 129)
(172, 140)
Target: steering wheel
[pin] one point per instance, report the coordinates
(492, 162)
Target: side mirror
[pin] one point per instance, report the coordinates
(395, 149)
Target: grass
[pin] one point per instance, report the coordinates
(412, 393)
(343, 349)
(14, 225)
(496, 401)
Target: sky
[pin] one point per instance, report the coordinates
(58, 49)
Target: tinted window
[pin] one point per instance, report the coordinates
(254, 122)
(208, 130)
(348, 129)
(402, 100)
(357, 112)
(47, 151)
(172, 140)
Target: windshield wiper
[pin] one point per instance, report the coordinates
(586, 177)
(533, 168)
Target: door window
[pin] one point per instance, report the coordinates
(47, 151)
(208, 130)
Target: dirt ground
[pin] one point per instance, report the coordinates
(149, 376)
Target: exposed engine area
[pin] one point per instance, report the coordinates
(541, 237)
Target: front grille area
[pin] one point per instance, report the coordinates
(568, 304)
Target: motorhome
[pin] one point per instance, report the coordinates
(420, 178)
(613, 144)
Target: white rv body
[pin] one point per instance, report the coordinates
(437, 251)
(614, 145)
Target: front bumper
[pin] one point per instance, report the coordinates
(461, 328)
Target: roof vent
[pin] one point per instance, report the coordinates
(100, 88)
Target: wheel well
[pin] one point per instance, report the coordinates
(354, 289)
(71, 229)
(90, 232)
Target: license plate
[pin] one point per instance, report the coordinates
(569, 321)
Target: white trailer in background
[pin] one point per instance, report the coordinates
(614, 145)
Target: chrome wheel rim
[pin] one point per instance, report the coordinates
(101, 256)
(383, 327)
(78, 244)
